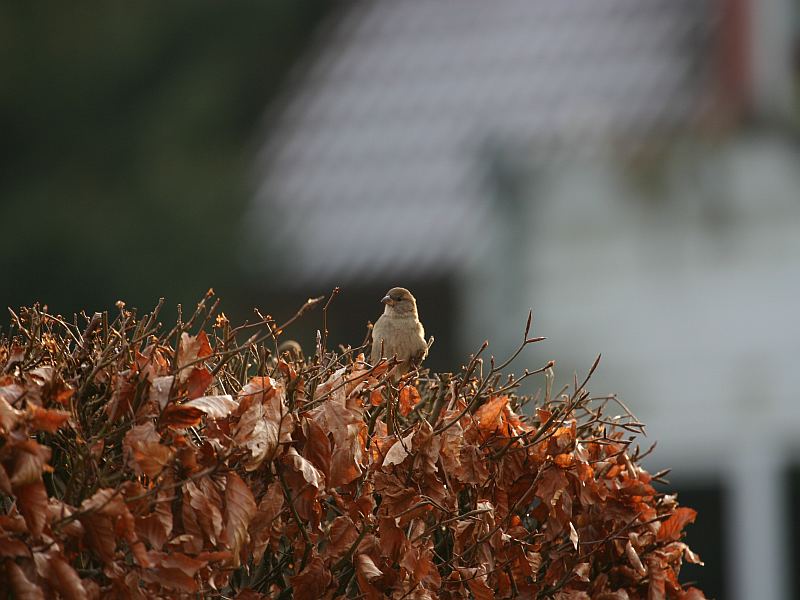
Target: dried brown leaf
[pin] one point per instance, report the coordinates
(346, 461)
(156, 527)
(11, 548)
(181, 416)
(399, 450)
(206, 500)
(263, 523)
(240, 507)
(312, 582)
(634, 559)
(49, 420)
(145, 452)
(408, 399)
(672, 528)
(476, 582)
(198, 381)
(32, 503)
(341, 535)
(106, 517)
(472, 466)
(191, 349)
(123, 385)
(9, 416)
(345, 423)
(418, 563)
(490, 416)
(317, 448)
(31, 460)
(21, 587)
(656, 590)
(368, 576)
(215, 407)
(391, 537)
(265, 421)
(65, 579)
(160, 390)
(309, 472)
(573, 536)
(180, 561)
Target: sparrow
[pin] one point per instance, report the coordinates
(398, 333)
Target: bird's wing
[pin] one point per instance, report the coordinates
(378, 336)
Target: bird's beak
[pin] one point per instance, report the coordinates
(387, 300)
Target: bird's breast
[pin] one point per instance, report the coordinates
(403, 337)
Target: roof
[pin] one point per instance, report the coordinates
(375, 165)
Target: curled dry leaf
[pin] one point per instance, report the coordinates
(20, 586)
(264, 521)
(240, 508)
(30, 460)
(156, 526)
(672, 528)
(9, 416)
(368, 575)
(342, 535)
(309, 472)
(107, 520)
(317, 448)
(206, 500)
(399, 450)
(32, 499)
(192, 349)
(475, 578)
(197, 383)
(215, 407)
(409, 398)
(160, 390)
(573, 535)
(181, 416)
(63, 578)
(634, 559)
(49, 420)
(657, 589)
(146, 454)
(343, 418)
(312, 582)
(12, 548)
(490, 415)
(264, 421)
(124, 390)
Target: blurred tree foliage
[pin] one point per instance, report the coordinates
(127, 134)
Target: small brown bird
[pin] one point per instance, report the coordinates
(398, 332)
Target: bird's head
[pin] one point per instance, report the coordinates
(399, 301)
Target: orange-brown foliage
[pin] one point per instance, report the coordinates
(133, 468)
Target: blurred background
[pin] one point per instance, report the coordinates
(630, 169)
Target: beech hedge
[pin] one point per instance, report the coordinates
(203, 461)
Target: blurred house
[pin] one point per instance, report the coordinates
(627, 168)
